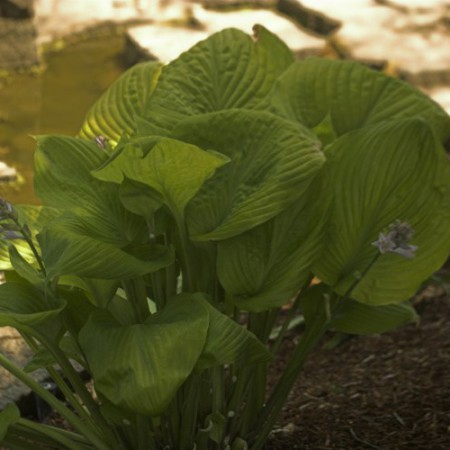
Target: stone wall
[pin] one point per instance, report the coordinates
(17, 34)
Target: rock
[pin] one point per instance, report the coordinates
(220, 5)
(165, 43)
(412, 36)
(7, 174)
(16, 9)
(308, 18)
(441, 95)
(17, 44)
(14, 348)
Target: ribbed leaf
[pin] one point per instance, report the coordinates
(393, 171)
(36, 217)
(336, 97)
(264, 267)
(24, 307)
(68, 248)
(273, 162)
(228, 342)
(62, 172)
(114, 112)
(63, 180)
(357, 318)
(140, 367)
(227, 70)
(174, 169)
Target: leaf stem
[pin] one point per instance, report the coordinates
(57, 405)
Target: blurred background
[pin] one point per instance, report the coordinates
(58, 56)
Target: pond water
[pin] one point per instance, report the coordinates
(53, 102)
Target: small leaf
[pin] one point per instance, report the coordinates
(35, 217)
(357, 318)
(24, 268)
(9, 416)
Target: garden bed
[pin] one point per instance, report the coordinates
(389, 391)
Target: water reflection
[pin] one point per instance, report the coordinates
(53, 103)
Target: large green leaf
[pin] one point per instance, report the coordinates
(227, 70)
(336, 97)
(26, 308)
(68, 248)
(174, 169)
(388, 172)
(264, 267)
(63, 180)
(114, 112)
(140, 367)
(273, 161)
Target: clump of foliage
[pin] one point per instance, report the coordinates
(199, 198)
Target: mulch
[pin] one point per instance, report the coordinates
(385, 392)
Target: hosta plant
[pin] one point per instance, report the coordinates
(203, 206)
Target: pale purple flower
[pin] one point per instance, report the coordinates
(396, 240)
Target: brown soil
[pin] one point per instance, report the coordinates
(386, 392)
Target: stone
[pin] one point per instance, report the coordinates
(235, 4)
(16, 9)
(7, 174)
(159, 42)
(15, 349)
(308, 18)
(412, 36)
(17, 44)
(165, 43)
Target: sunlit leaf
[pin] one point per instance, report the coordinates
(174, 169)
(335, 97)
(113, 113)
(228, 70)
(140, 367)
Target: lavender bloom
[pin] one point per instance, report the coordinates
(12, 234)
(101, 142)
(7, 210)
(396, 240)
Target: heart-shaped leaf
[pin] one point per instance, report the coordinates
(174, 169)
(227, 70)
(68, 248)
(388, 172)
(272, 162)
(264, 267)
(140, 367)
(335, 97)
